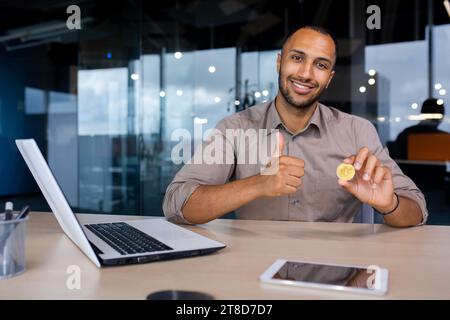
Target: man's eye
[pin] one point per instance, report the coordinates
(322, 66)
(297, 58)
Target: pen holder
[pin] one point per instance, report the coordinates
(12, 247)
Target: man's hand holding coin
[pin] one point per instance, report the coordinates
(370, 181)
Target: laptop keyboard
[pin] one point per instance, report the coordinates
(126, 239)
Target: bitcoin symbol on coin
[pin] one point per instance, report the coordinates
(345, 171)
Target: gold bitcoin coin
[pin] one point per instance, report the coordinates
(345, 171)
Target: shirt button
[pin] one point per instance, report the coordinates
(294, 201)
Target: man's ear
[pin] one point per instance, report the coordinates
(329, 79)
(278, 62)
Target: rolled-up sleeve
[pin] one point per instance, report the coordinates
(403, 185)
(199, 171)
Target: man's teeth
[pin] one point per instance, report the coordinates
(300, 86)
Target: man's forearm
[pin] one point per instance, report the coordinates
(407, 214)
(210, 202)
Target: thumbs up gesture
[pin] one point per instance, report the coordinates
(283, 175)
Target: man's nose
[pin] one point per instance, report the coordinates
(304, 71)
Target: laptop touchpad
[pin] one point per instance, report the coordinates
(161, 229)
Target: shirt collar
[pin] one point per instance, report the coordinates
(274, 120)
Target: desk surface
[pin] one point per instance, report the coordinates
(418, 260)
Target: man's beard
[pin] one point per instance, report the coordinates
(300, 105)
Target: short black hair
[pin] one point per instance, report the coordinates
(318, 29)
(431, 105)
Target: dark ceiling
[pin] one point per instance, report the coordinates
(204, 24)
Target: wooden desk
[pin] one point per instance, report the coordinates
(418, 260)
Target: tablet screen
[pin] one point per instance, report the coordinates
(326, 274)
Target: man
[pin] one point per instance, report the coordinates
(313, 141)
(433, 114)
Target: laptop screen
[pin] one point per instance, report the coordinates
(54, 196)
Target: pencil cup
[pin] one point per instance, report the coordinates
(12, 247)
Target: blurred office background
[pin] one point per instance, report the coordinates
(103, 101)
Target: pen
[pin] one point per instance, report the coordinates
(8, 210)
(23, 213)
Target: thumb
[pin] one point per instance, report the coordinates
(350, 186)
(280, 144)
(272, 166)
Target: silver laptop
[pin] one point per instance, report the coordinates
(117, 243)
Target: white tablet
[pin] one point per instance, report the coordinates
(346, 278)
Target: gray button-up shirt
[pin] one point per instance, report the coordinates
(329, 138)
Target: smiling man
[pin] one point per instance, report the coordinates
(313, 140)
